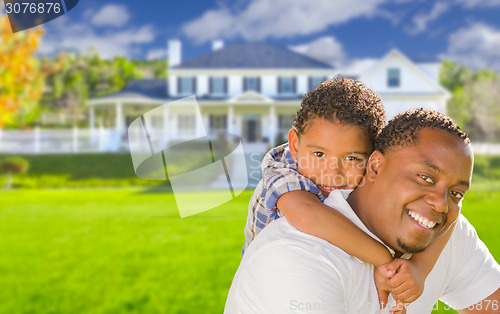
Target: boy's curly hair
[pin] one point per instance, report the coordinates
(403, 129)
(347, 100)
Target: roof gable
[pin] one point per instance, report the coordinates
(253, 56)
(412, 77)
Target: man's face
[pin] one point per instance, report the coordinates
(418, 190)
(332, 155)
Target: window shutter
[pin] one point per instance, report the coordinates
(279, 85)
(294, 85)
(225, 85)
(194, 85)
(245, 87)
(179, 87)
(211, 85)
(258, 85)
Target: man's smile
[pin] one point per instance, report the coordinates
(422, 220)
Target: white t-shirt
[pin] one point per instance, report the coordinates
(287, 271)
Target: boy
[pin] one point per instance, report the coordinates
(331, 139)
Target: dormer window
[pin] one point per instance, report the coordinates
(393, 77)
(218, 85)
(315, 80)
(186, 85)
(286, 85)
(251, 83)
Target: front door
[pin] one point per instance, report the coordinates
(251, 129)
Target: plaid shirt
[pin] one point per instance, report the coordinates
(279, 175)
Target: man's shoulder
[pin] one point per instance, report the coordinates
(284, 242)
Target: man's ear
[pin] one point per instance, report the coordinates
(374, 165)
(293, 143)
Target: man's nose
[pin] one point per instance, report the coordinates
(438, 199)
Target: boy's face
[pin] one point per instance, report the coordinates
(332, 155)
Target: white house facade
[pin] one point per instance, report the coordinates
(253, 90)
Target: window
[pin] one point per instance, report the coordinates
(314, 81)
(393, 77)
(186, 85)
(186, 124)
(285, 121)
(286, 85)
(218, 122)
(218, 85)
(251, 83)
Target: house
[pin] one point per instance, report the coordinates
(253, 90)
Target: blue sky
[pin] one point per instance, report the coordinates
(347, 33)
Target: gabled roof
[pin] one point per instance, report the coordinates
(253, 56)
(395, 53)
(137, 90)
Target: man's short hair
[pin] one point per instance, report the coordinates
(347, 100)
(403, 129)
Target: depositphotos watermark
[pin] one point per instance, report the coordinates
(25, 14)
(171, 143)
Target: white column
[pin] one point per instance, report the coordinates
(273, 127)
(37, 139)
(92, 121)
(166, 125)
(230, 118)
(74, 144)
(119, 116)
(1, 139)
(200, 130)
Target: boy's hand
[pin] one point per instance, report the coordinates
(407, 281)
(400, 277)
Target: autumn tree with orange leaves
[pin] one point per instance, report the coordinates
(21, 81)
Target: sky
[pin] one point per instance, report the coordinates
(346, 33)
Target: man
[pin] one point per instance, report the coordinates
(411, 194)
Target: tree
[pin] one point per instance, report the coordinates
(21, 81)
(474, 101)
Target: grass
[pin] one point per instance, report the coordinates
(127, 250)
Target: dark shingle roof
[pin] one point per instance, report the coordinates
(253, 56)
(146, 88)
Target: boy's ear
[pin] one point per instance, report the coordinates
(374, 165)
(293, 143)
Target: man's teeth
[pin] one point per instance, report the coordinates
(424, 222)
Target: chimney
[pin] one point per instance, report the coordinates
(217, 44)
(174, 52)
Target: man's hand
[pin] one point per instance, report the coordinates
(400, 277)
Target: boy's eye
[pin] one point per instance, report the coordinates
(318, 154)
(353, 158)
(426, 178)
(457, 195)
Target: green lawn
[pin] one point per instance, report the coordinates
(127, 250)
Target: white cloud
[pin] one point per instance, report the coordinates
(479, 3)
(263, 19)
(111, 15)
(157, 54)
(63, 34)
(357, 67)
(477, 46)
(326, 49)
(421, 21)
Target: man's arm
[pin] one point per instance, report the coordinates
(490, 305)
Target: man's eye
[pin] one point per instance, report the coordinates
(457, 195)
(426, 178)
(318, 154)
